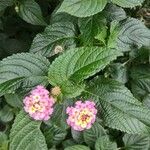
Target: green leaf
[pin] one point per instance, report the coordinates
(26, 135)
(30, 11)
(119, 72)
(25, 70)
(15, 100)
(54, 135)
(133, 32)
(91, 135)
(60, 33)
(77, 147)
(90, 27)
(77, 136)
(136, 142)
(5, 3)
(103, 143)
(114, 12)
(140, 81)
(128, 3)
(119, 109)
(3, 141)
(6, 114)
(78, 64)
(80, 8)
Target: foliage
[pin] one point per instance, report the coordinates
(95, 50)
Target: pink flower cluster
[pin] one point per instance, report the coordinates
(82, 115)
(39, 104)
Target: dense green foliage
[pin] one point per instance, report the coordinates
(93, 50)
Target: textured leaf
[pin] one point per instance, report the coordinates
(77, 136)
(30, 11)
(54, 135)
(77, 65)
(119, 72)
(119, 109)
(128, 3)
(91, 135)
(140, 80)
(114, 12)
(103, 143)
(60, 33)
(77, 147)
(26, 135)
(25, 69)
(5, 3)
(90, 27)
(133, 32)
(80, 8)
(6, 114)
(136, 142)
(80, 63)
(14, 100)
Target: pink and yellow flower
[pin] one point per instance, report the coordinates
(82, 115)
(39, 104)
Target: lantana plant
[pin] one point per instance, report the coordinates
(74, 75)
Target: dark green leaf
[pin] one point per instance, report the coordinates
(119, 109)
(77, 147)
(30, 11)
(81, 8)
(136, 142)
(91, 135)
(60, 33)
(25, 69)
(103, 143)
(26, 135)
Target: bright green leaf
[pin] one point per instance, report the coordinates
(78, 64)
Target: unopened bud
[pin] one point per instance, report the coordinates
(58, 49)
(56, 91)
(17, 9)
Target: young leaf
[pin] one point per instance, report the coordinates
(80, 8)
(25, 68)
(30, 11)
(5, 3)
(90, 27)
(136, 142)
(77, 147)
(60, 33)
(128, 3)
(26, 135)
(103, 143)
(119, 109)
